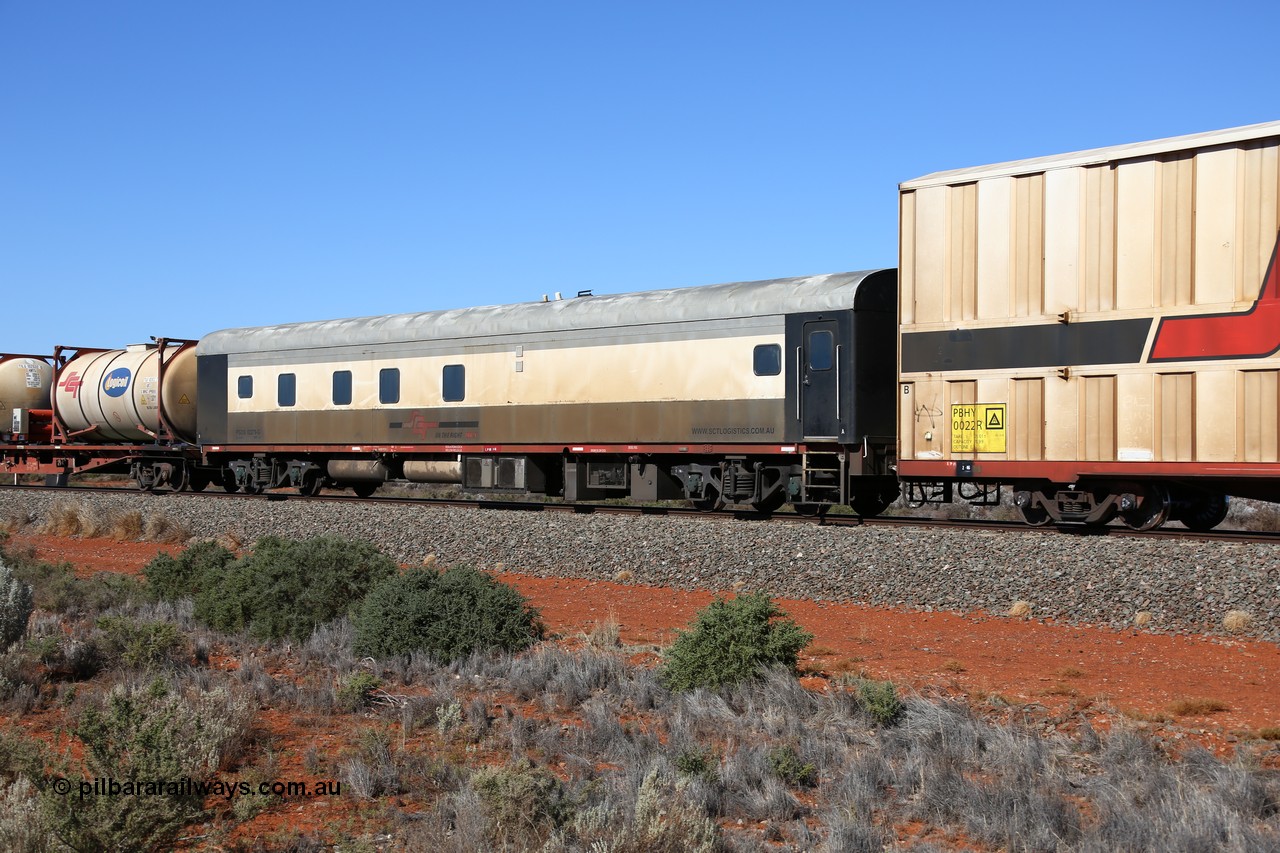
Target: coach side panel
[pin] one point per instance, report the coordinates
(684, 383)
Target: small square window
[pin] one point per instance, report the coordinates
(454, 383)
(342, 387)
(768, 360)
(389, 385)
(287, 390)
(244, 387)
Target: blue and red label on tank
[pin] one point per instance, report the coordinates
(115, 383)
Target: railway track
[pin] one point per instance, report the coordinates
(588, 508)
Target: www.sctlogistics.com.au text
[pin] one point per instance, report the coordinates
(186, 787)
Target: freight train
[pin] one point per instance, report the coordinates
(1096, 332)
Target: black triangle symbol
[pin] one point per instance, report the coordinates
(993, 419)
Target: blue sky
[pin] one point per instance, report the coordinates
(172, 168)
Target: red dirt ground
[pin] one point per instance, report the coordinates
(1097, 672)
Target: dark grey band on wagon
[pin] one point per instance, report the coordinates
(1013, 347)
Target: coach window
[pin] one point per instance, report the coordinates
(342, 387)
(768, 360)
(454, 382)
(244, 387)
(287, 390)
(389, 385)
(821, 350)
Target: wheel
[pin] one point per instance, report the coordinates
(1036, 516)
(198, 481)
(1152, 512)
(253, 488)
(707, 504)
(870, 504)
(181, 478)
(229, 484)
(1204, 512)
(311, 484)
(364, 490)
(771, 504)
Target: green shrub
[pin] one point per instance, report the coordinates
(880, 700)
(731, 641)
(16, 604)
(199, 566)
(56, 588)
(141, 644)
(21, 755)
(447, 614)
(698, 761)
(787, 766)
(287, 589)
(355, 692)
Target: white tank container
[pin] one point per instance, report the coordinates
(24, 384)
(118, 393)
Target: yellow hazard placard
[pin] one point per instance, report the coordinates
(978, 428)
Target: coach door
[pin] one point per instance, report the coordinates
(818, 361)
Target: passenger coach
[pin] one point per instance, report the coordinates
(744, 395)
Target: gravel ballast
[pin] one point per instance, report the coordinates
(1187, 586)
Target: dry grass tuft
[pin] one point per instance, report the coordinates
(1142, 618)
(127, 526)
(161, 528)
(1197, 707)
(623, 576)
(16, 522)
(604, 636)
(1020, 610)
(1144, 717)
(738, 586)
(63, 519)
(430, 561)
(1071, 672)
(820, 651)
(1237, 621)
(1269, 733)
(953, 665)
(231, 540)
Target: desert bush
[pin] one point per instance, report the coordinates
(289, 588)
(523, 803)
(730, 641)
(141, 644)
(23, 828)
(356, 690)
(55, 587)
(16, 604)
(663, 819)
(147, 736)
(880, 700)
(21, 756)
(199, 566)
(448, 614)
(790, 768)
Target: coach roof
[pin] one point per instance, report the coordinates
(691, 304)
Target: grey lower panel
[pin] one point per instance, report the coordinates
(715, 422)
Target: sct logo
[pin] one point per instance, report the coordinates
(117, 382)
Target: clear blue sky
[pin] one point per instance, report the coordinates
(171, 168)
